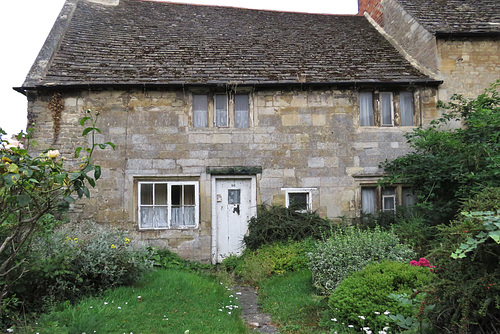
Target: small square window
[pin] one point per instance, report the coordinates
(299, 199)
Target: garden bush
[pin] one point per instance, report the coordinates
(278, 224)
(276, 258)
(350, 249)
(78, 260)
(467, 289)
(362, 298)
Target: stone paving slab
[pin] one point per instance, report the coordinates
(250, 311)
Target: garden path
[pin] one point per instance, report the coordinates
(251, 313)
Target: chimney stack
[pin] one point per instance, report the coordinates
(373, 8)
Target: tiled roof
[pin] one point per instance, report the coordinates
(145, 42)
(456, 16)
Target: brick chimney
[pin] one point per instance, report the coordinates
(373, 8)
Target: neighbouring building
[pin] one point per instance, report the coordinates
(215, 110)
(456, 41)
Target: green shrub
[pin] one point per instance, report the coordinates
(350, 249)
(78, 260)
(467, 289)
(277, 258)
(362, 298)
(279, 224)
(169, 260)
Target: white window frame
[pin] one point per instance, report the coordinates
(371, 114)
(389, 196)
(307, 191)
(169, 204)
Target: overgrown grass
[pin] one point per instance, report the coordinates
(166, 301)
(293, 303)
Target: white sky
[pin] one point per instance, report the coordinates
(24, 25)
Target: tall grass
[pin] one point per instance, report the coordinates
(166, 301)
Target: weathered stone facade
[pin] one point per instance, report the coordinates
(300, 137)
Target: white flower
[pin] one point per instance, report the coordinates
(350, 326)
(361, 317)
(53, 154)
(186, 332)
(91, 307)
(119, 308)
(228, 312)
(334, 319)
(387, 312)
(105, 303)
(382, 332)
(377, 313)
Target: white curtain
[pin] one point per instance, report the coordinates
(368, 196)
(406, 107)
(241, 111)
(366, 109)
(200, 107)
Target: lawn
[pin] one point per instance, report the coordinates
(166, 301)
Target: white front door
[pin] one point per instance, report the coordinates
(234, 201)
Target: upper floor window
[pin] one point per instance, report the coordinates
(164, 205)
(386, 109)
(226, 110)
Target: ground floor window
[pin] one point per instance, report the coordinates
(168, 204)
(387, 199)
(299, 199)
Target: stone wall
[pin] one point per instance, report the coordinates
(301, 138)
(468, 65)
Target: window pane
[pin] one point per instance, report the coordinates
(221, 119)
(161, 194)
(161, 217)
(389, 199)
(147, 217)
(241, 111)
(233, 196)
(200, 111)
(366, 109)
(189, 195)
(408, 198)
(298, 201)
(176, 194)
(368, 197)
(386, 108)
(146, 194)
(406, 108)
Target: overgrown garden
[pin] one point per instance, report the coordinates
(432, 268)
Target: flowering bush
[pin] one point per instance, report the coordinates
(77, 260)
(350, 249)
(423, 262)
(32, 186)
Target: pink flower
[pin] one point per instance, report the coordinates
(423, 262)
(414, 263)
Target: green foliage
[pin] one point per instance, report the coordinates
(350, 249)
(292, 302)
(276, 224)
(33, 186)
(75, 261)
(169, 260)
(363, 297)
(278, 258)
(448, 165)
(166, 301)
(467, 289)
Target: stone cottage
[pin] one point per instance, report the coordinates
(456, 41)
(215, 110)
